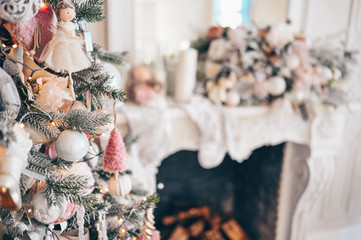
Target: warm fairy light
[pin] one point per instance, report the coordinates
(120, 221)
(22, 125)
(3, 45)
(123, 230)
(15, 46)
(29, 210)
(29, 78)
(106, 190)
(53, 123)
(103, 134)
(3, 189)
(91, 147)
(43, 6)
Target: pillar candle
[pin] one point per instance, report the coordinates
(185, 75)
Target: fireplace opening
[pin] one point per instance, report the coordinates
(245, 194)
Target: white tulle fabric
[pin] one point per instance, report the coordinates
(53, 94)
(64, 53)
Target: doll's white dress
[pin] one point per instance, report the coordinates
(64, 53)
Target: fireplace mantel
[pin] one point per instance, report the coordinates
(309, 154)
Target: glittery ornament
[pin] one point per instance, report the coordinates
(43, 212)
(115, 157)
(9, 96)
(72, 145)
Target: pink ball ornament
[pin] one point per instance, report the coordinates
(69, 212)
(72, 145)
(115, 156)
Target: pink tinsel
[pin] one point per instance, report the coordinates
(24, 31)
(115, 156)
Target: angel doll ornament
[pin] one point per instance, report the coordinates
(64, 53)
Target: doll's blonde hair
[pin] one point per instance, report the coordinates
(63, 5)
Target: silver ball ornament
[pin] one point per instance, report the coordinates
(72, 145)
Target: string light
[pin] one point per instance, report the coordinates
(22, 125)
(53, 123)
(15, 46)
(30, 210)
(3, 189)
(43, 6)
(3, 45)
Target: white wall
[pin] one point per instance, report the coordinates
(269, 11)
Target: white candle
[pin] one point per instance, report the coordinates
(185, 75)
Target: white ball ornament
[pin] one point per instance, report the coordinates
(45, 214)
(120, 186)
(82, 169)
(92, 156)
(292, 62)
(72, 145)
(277, 86)
(116, 81)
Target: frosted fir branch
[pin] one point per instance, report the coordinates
(83, 121)
(42, 164)
(99, 85)
(71, 187)
(7, 134)
(90, 10)
(51, 124)
(133, 213)
(42, 122)
(111, 57)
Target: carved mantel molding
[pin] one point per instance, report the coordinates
(308, 161)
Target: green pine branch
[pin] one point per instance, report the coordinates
(71, 187)
(51, 124)
(111, 57)
(90, 10)
(134, 213)
(83, 121)
(97, 83)
(44, 165)
(42, 122)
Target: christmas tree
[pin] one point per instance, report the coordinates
(53, 90)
